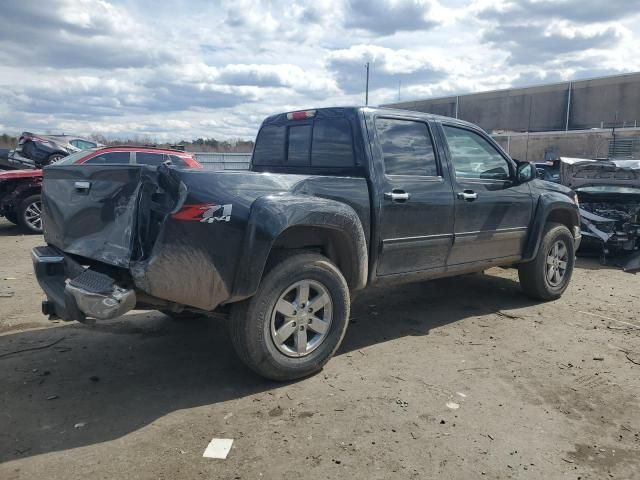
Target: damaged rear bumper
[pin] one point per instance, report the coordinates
(75, 292)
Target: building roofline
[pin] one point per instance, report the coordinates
(499, 90)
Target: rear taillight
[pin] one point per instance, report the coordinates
(301, 115)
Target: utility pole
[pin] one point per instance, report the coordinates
(613, 134)
(366, 92)
(399, 87)
(566, 121)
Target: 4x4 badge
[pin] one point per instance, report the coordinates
(204, 213)
(213, 213)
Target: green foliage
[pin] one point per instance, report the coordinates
(8, 141)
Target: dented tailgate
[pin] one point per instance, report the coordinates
(91, 210)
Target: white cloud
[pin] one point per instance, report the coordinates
(186, 69)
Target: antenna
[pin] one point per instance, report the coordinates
(366, 92)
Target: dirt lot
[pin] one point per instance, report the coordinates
(455, 379)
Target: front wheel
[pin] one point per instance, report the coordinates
(296, 320)
(547, 276)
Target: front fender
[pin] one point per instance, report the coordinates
(271, 215)
(550, 205)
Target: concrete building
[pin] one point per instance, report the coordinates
(571, 118)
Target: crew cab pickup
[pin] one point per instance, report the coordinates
(336, 200)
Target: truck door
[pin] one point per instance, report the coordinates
(492, 211)
(416, 208)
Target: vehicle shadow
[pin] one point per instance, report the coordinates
(122, 375)
(594, 262)
(8, 229)
(415, 309)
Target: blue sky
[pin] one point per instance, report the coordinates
(184, 69)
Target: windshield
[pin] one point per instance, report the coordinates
(73, 158)
(609, 189)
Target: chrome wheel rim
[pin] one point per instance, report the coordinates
(33, 215)
(301, 318)
(55, 159)
(557, 261)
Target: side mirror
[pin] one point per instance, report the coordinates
(525, 172)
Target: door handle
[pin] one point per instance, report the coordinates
(397, 196)
(82, 187)
(467, 195)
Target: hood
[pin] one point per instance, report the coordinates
(582, 172)
(15, 174)
(540, 184)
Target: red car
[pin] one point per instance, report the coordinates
(20, 201)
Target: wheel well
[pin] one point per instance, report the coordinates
(28, 192)
(12, 201)
(563, 217)
(329, 242)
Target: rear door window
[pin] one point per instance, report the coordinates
(110, 158)
(407, 147)
(146, 158)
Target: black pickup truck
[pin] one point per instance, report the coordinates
(336, 200)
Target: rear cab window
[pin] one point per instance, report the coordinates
(321, 145)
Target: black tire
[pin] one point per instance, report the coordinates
(250, 323)
(12, 217)
(24, 214)
(534, 275)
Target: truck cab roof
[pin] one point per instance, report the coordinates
(327, 112)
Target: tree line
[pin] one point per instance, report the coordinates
(196, 145)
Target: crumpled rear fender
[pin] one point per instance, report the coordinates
(272, 215)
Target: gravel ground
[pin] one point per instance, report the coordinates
(454, 379)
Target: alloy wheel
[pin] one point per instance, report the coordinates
(301, 318)
(556, 265)
(33, 215)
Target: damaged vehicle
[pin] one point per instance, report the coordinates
(609, 196)
(336, 200)
(20, 200)
(36, 150)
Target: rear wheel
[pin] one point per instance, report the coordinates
(29, 214)
(547, 276)
(296, 320)
(12, 217)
